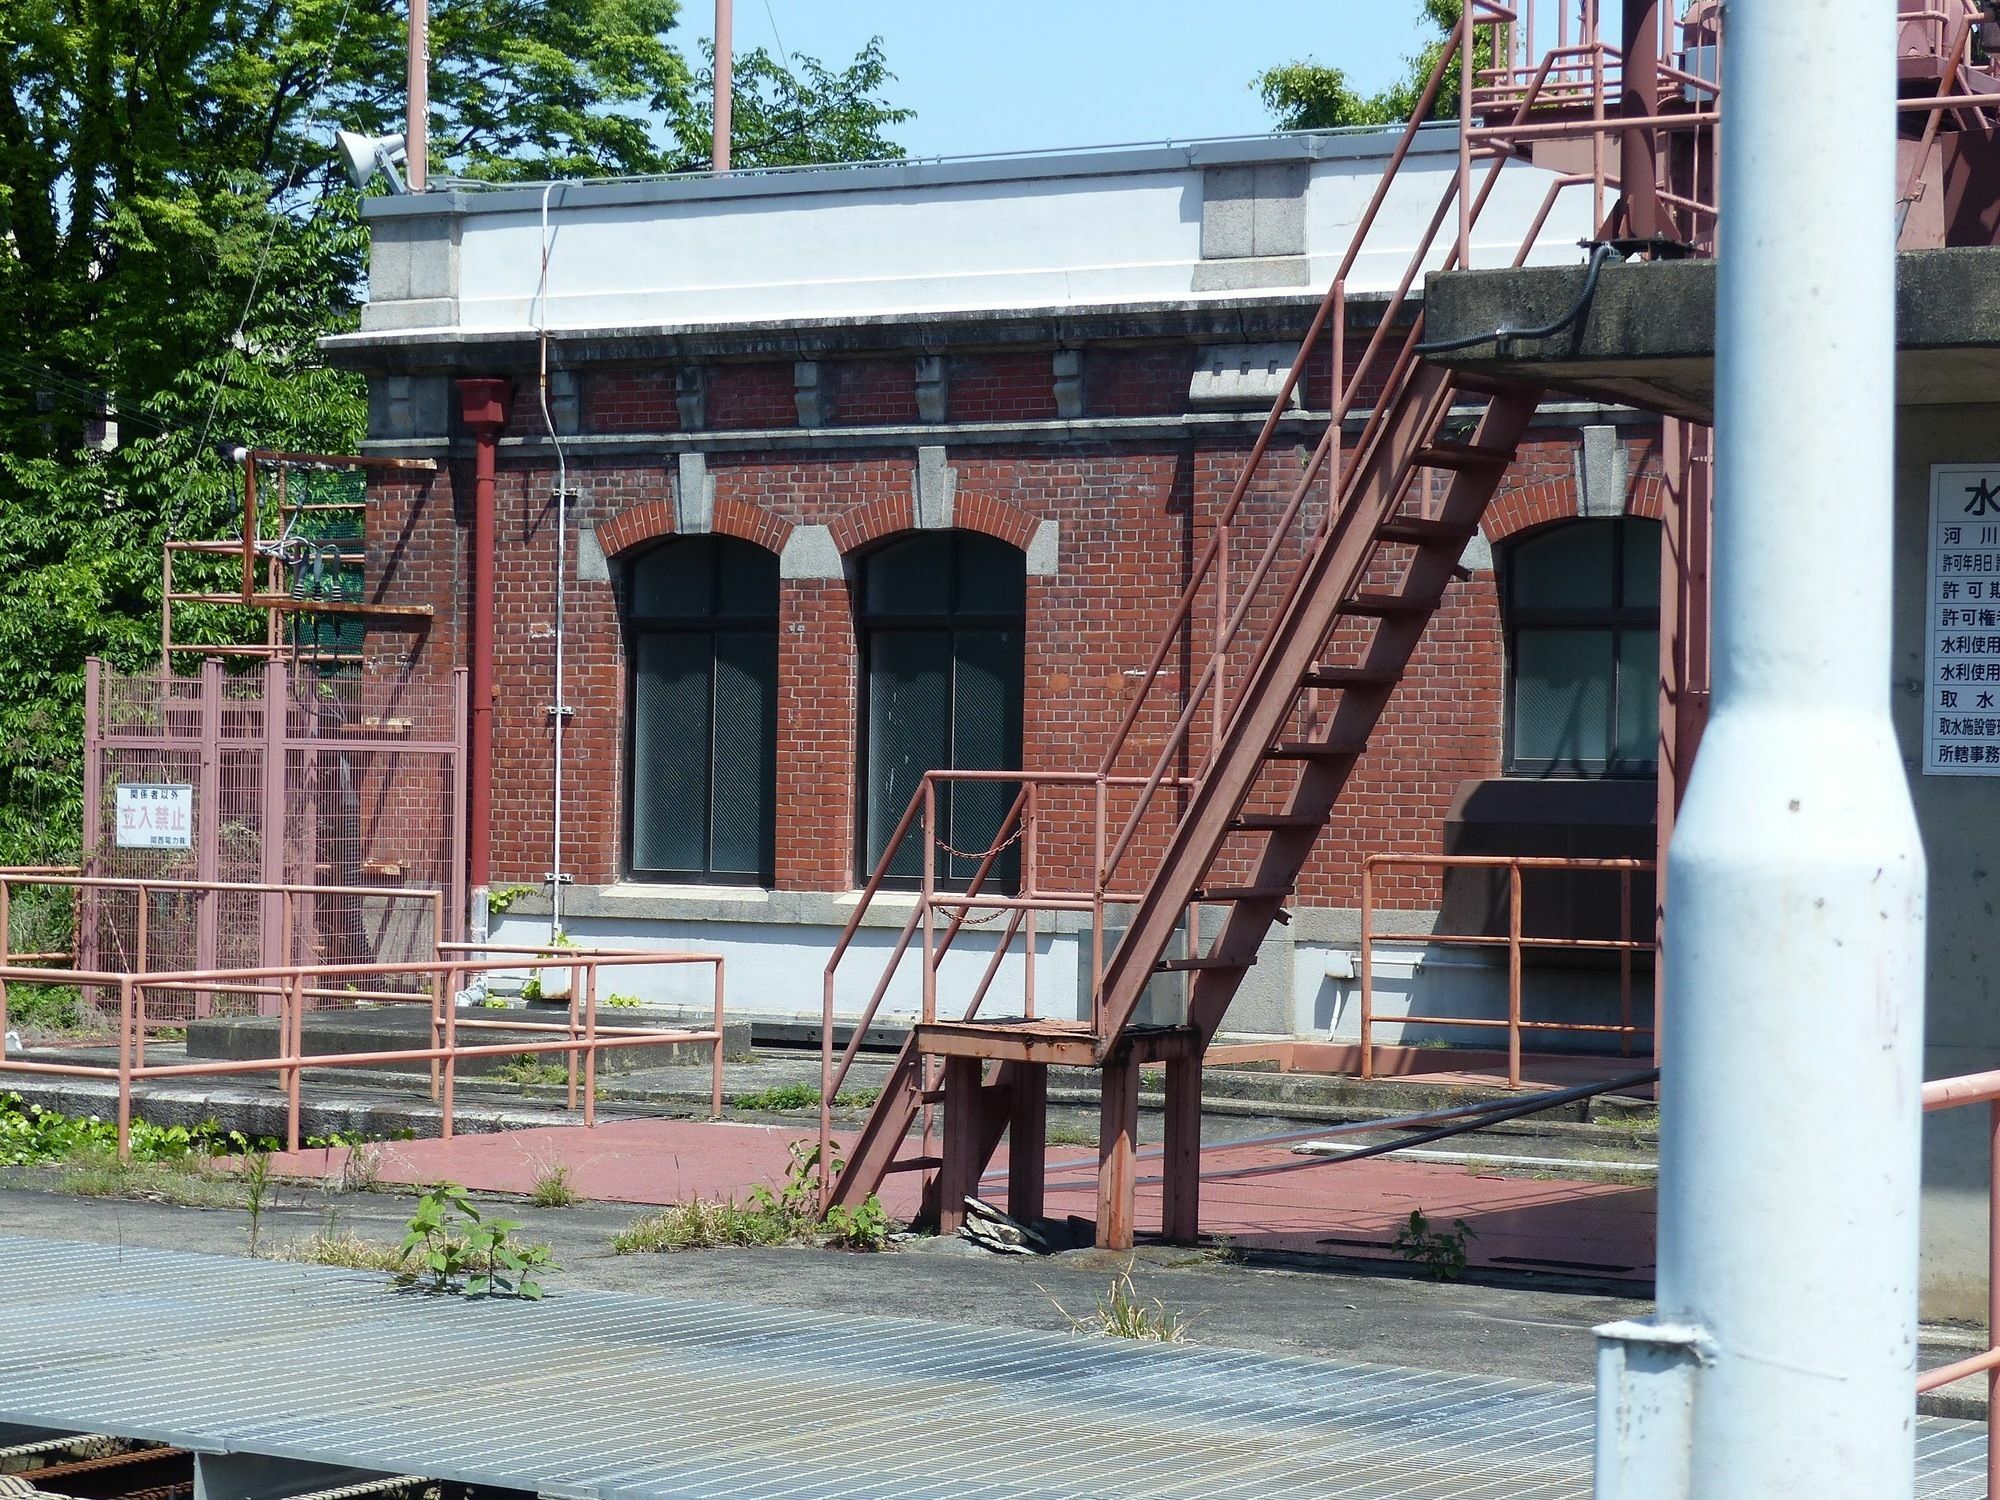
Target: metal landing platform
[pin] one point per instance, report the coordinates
(604, 1396)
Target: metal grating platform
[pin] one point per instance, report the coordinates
(600, 1396)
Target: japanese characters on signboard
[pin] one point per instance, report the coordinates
(1962, 623)
(155, 817)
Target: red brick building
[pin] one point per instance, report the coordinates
(871, 470)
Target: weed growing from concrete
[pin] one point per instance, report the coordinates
(193, 1182)
(622, 1002)
(782, 1097)
(786, 1215)
(530, 1069)
(1441, 1252)
(794, 1096)
(459, 1248)
(1120, 1313)
(346, 1249)
(257, 1186)
(552, 1185)
(1070, 1135)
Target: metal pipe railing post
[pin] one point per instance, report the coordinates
(1367, 968)
(716, 1059)
(1513, 976)
(125, 1068)
(589, 977)
(1992, 1292)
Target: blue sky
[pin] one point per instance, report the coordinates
(1029, 74)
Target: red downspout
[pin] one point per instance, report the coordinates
(483, 409)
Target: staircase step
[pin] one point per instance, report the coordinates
(1349, 677)
(1241, 893)
(1272, 822)
(915, 1164)
(1190, 965)
(1424, 532)
(1382, 606)
(1485, 385)
(1310, 750)
(1461, 456)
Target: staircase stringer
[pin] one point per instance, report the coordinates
(884, 1132)
(1313, 604)
(1319, 786)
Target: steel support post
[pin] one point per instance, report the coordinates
(959, 1173)
(1180, 1185)
(1117, 1152)
(1027, 1141)
(1782, 1359)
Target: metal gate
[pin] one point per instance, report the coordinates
(278, 776)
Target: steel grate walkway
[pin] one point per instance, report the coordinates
(599, 1396)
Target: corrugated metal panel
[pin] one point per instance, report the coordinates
(601, 1396)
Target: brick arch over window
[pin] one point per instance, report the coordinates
(1541, 488)
(878, 520)
(654, 519)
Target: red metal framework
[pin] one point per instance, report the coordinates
(289, 545)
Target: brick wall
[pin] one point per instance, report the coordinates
(1133, 516)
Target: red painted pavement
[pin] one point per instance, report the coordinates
(1346, 1209)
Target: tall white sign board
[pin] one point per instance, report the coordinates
(1962, 623)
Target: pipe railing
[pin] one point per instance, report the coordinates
(580, 1036)
(208, 895)
(1517, 942)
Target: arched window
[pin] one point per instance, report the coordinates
(1582, 603)
(702, 640)
(941, 617)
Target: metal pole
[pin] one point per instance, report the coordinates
(417, 135)
(1795, 946)
(725, 85)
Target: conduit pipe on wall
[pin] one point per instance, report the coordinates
(559, 707)
(1782, 1356)
(483, 410)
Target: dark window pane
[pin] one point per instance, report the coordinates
(909, 729)
(986, 736)
(746, 692)
(992, 576)
(746, 579)
(1562, 697)
(1639, 697)
(909, 577)
(670, 743)
(1569, 567)
(1641, 564)
(672, 582)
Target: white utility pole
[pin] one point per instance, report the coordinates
(1782, 1359)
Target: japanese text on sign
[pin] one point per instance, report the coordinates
(1962, 623)
(155, 817)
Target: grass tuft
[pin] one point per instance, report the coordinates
(552, 1185)
(1121, 1313)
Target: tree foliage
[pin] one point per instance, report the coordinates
(175, 237)
(1313, 96)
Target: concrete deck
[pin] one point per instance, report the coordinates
(608, 1396)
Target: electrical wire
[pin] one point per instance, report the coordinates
(1503, 335)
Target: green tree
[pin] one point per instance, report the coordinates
(175, 237)
(1312, 96)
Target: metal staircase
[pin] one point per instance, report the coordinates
(1298, 619)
